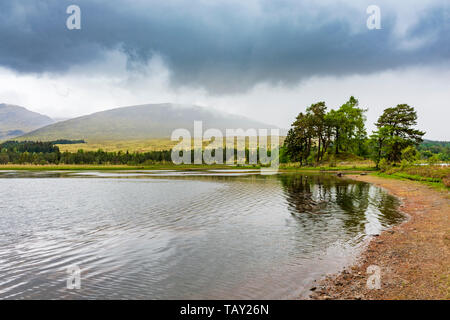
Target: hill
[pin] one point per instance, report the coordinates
(16, 120)
(151, 121)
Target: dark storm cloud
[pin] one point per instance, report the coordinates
(224, 46)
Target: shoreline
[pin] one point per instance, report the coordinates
(169, 165)
(414, 256)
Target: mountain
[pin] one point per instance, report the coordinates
(141, 122)
(16, 120)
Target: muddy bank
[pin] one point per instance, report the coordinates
(414, 257)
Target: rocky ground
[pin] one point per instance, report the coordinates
(414, 257)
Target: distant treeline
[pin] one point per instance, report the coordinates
(29, 152)
(33, 146)
(28, 146)
(65, 141)
(441, 149)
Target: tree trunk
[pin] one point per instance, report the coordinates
(318, 151)
(337, 142)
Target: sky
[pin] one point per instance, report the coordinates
(265, 59)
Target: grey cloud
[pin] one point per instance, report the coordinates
(221, 46)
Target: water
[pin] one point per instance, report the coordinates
(172, 235)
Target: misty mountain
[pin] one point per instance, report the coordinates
(148, 121)
(16, 120)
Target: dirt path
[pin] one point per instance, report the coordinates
(414, 257)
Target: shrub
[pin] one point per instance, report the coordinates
(410, 154)
(433, 160)
(404, 164)
(384, 165)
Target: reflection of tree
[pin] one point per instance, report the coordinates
(387, 205)
(301, 195)
(308, 197)
(353, 199)
(343, 203)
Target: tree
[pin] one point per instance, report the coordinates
(310, 130)
(378, 145)
(348, 126)
(4, 158)
(299, 138)
(398, 132)
(319, 128)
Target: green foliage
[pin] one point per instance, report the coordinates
(317, 132)
(429, 148)
(348, 127)
(66, 141)
(29, 146)
(378, 145)
(410, 154)
(4, 158)
(284, 156)
(396, 131)
(433, 159)
(332, 161)
(29, 152)
(384, 165)
(404, 164)
(438, 176)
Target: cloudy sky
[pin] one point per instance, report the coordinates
(265, 59)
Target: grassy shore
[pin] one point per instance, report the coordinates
(435, 176)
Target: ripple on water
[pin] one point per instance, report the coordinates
(178, 235)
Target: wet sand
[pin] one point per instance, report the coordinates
(413, 257)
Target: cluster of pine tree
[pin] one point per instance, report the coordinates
(318, 133)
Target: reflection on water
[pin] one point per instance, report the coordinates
(172, 235)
